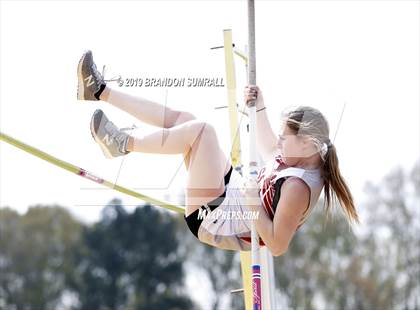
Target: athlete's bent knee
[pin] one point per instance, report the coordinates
(182, 117)
(187, 116)
(200, 129)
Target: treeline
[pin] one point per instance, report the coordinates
(141, 259)
(126, 260)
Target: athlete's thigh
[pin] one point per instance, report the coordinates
(207, 167)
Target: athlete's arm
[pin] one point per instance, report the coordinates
(277, 234)
(266, 138)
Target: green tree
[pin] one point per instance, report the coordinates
(131, 261)
(35, 256)
(311, 268)
(221, 268)
(394, 226)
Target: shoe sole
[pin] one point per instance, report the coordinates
(80, 86)
(96, 138)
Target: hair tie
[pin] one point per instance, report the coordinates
(328, 143)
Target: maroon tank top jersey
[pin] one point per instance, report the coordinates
(270, 179)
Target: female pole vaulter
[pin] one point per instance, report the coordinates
(300, 162)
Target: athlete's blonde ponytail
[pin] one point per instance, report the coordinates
(310, 122)
(335, 186)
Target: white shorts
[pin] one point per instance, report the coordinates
(225, 225)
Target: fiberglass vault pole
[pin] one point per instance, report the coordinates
(252, 79)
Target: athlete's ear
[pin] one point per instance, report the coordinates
(306, 140)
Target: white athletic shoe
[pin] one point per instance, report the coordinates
(112, 140)
(89, 79)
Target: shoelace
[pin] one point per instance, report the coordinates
(116, 134)
(100, 78)
(129, 128)
(116, 78)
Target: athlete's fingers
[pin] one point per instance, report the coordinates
(250, 94)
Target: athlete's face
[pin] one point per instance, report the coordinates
(290, 145)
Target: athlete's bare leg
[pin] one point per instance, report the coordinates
(181, 133)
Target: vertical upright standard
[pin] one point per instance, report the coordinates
(235, 152)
